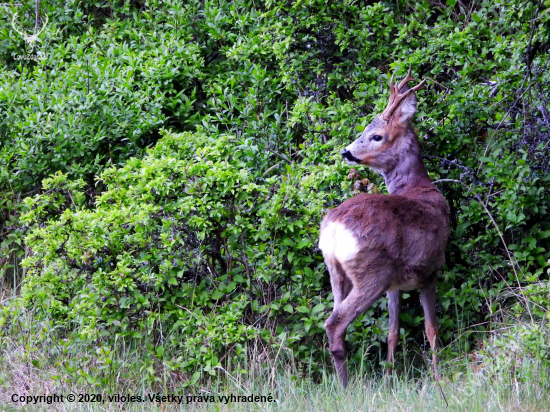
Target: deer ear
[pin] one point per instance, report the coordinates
(407, 109)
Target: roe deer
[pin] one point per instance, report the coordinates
(386, 243)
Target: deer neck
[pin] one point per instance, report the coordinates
(408, 171)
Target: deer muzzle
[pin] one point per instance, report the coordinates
(348, 157)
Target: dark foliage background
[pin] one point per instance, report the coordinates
(164, 168)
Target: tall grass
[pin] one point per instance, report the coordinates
(470, 392)
(507, 374)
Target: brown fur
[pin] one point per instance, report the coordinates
(401, 229)
(400, 237)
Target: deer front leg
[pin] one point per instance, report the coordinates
(394, 307)
(427, 298)
(346, 312)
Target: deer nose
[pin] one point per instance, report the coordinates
(346, 154)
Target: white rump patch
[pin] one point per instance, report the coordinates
(338, 242)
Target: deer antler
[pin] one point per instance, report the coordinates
(396, 98)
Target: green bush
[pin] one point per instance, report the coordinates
(188, 245)
(94, 100)
(208, 242)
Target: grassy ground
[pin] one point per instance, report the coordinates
(510, 371)
(469, 393)
(493, 384)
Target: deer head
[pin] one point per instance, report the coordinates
(381, 144)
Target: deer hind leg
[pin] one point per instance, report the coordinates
(340, 283)
(358, 300)
(394, 307)
(427, 297)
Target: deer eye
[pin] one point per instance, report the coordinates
(376, 138)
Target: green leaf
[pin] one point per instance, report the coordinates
(319, 307)
(216, 295)
(303, 243)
